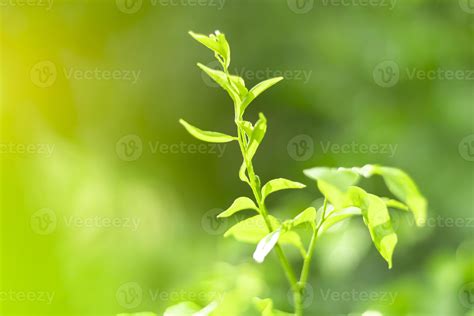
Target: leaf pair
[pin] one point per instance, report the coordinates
(337, 185)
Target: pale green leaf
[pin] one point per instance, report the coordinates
(252, 230)
(217, 43)
(405, 189)
(257, 136)
(240, 204)
(339, 216)
(211, 137)
(221, 79)
(395, 204)
(242, 173)
(257, 90)
(279, 184)
(265, 307)
(306, 216)
(190, 309)
(266, 245)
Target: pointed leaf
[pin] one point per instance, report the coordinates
(221, 79)
(265, 307)
(257, 90)
(306, 216)
(333, 183)
(339, 216)
(217, 43)
(254, 229)
(266, 245)
(395, 204)
(242, 173)
(257, 136)
(240, 204)
(211, 137)
(279, 184)
(405, 189)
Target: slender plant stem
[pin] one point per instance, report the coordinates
(307, 263)
(255, 186)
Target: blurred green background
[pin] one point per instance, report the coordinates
(107, 203)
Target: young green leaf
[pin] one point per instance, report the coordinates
(211, 137)
(242, 173)
(338, 216)
(253, 229)
(395, 204)
(240, 204)
(266, 245)
(380, 227)
(279, 184)
(306, 216)
(257, 136)
(405, 189)
(256, 91)
(222, 80)
(265, 307)
(190, 309)
(217, 43)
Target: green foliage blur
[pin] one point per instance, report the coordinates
(107, 205)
